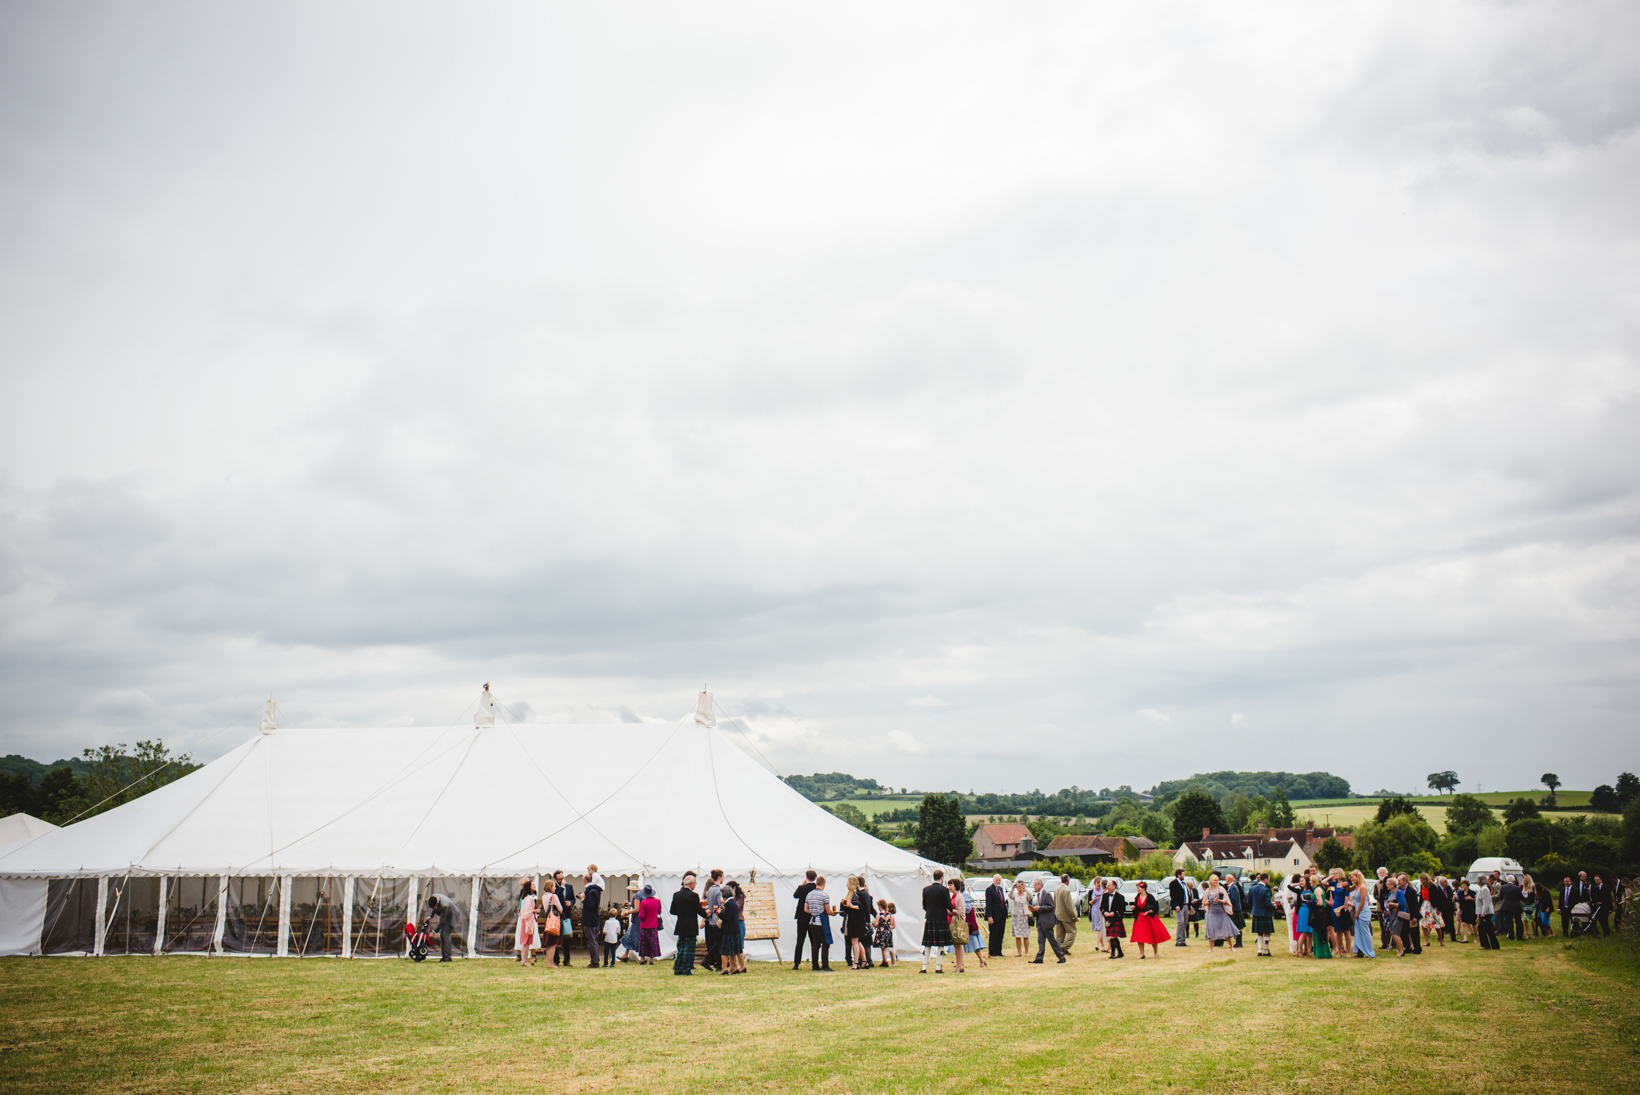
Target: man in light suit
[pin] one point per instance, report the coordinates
(1042, 905)
(1064, 914)
(996, 913)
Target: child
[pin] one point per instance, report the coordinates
(884, 933)
(612, 936)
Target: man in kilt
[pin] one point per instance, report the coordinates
(936, 902)
(1263, 907)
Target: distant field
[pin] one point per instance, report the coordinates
(1324, 811)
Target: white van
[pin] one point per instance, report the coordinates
(1487, 864)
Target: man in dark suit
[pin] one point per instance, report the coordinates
(1232, 886)
(441, 906)
(1602, 896)
(802, 893)
(1568, 897)
(996, 913)
(1042, 905)
(1181, 908)
(1508, 910)
(566, 898)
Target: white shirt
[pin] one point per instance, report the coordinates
(612, 929)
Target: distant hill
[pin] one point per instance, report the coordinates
(14, 765)
(1317, 785)
(830, 786)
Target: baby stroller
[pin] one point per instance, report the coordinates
(1582, 918)
(419, 939)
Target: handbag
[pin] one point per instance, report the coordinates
(959, 931)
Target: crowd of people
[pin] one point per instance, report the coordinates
(1327, 915)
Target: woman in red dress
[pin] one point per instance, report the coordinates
(1147, 923)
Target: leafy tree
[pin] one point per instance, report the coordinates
(1333, 854)
(1628, 786)
(114, 777)
(1551, 781)
(1392, 807)
(1193, 812)
(1156, 827)
(1467, 815)
(1604, 799)
(1631, 831)
(1123, 830)
(1442, 781)
(1416, 863)
(1281, 812)
(1518, 809)
(1381, 844)
(847, 811)
(942, 831)
(57, 797)
(1529, 839)
(1489, 842)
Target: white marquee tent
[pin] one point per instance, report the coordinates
(323, 841)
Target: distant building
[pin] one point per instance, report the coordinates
(1092, 850)
(1003, 846)
(1285, 850)
(1243, 853)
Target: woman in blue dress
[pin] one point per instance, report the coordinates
(1305, 898)
(1360, 906)
(1096, 918)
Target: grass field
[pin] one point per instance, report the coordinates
(1528, 1019)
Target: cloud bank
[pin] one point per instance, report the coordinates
(941, 386)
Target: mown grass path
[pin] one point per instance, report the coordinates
(1526, 1020)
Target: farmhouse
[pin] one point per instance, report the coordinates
(1092, 850)
(1003, 845)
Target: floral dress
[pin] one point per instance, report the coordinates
(1428, 918)
(883, 936)
(1019, 914)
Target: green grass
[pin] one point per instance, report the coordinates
(1527, 1019)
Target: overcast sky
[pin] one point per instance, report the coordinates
(973, 396)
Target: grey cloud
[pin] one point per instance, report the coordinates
(1292, 387)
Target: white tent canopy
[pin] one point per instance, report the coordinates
(366, 821)
(20, 826)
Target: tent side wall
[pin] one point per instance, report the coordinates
(22, 914)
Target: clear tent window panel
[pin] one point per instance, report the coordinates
(71, 916)
(498, 900)
(459, 889)
(252, 923)
(133, 916)
(380, 911)
(315, 916)
(190, 912)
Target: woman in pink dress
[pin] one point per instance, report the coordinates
(649, 927)
(1147, 923)
(524, 936)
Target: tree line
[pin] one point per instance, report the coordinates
(93, 783)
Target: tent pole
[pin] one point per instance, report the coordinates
(164, 899)
(472, 922)
(102, 915)
(283, 949)
(414, 915)
(347, 917)
(221, 917)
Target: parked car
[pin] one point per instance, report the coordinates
(977, 886)
(1487, 864)
(1129, 888)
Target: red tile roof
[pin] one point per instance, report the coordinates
(1011, 832)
